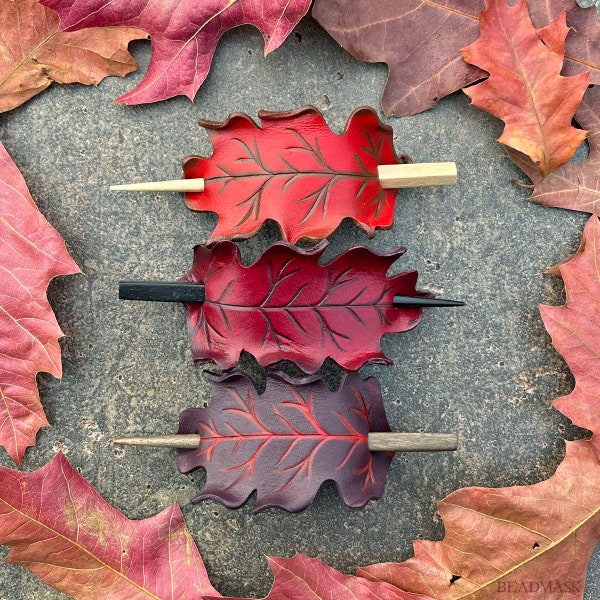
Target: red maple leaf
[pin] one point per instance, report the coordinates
(286, 442)
(60, 528)
(296, 171)
(31, 254)
(184, 34)
(287, 306)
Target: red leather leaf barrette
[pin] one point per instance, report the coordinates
(286, 442)
(288, 306)
(297, 172)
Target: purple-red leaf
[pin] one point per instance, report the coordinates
(61, 529)
(296, 171)
(286, 442)
(31, 254)
(287, 306)
(184, 34)
(420, 42)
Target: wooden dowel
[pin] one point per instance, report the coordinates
(417, 175)
(174, 185)
(183, 441)
(386, 442)
(412, 442)
(391, 177)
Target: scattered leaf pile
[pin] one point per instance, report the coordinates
(421, 43)
(496, 539)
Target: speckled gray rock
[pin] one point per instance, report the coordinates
(486, 371)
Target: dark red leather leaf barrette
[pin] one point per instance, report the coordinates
(285, 443)
(297, 172)
(288, 306)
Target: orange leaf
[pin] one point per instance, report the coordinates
(525, 88)
(536, 538)
(576, 185)
(31, 254)
(34, 53)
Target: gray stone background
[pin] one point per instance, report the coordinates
(486, 371)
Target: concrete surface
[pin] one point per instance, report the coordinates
(487, 371)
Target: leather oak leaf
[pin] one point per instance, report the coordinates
(295, 171)
(287, 441)
(287, 306)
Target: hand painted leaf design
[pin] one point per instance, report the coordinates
(35, 53)
(31, 254)
(287, 306)
(184, 34)
(286, 442)
(60, 528)
(576, 186)
(525, 88)
(295, 171)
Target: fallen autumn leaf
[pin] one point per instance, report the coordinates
(420, 43)
(62, 530)
(576, 186)
(525, 88)
(184, 34)
(31, 254)
(35, 53)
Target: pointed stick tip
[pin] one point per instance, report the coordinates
(176, 185)
(424, 302)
